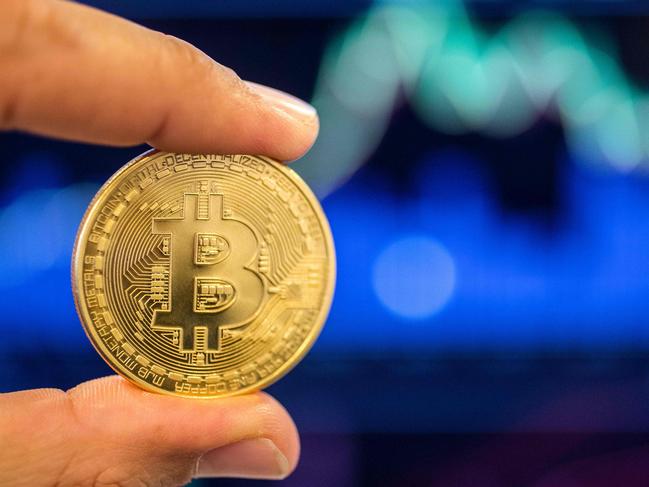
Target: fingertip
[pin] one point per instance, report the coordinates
(272, 453)
(288, 126)
(304, 140)
(257, 458)
(281, 428)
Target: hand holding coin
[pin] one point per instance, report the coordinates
(76, 73)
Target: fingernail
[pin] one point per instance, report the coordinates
(286, 103)
(257, 458)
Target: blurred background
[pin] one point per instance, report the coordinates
(484, 167)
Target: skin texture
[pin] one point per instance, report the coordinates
(73, 72)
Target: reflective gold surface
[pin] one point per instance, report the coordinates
(203, 275)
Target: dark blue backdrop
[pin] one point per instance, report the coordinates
(493, 273)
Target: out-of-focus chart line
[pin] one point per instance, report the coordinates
(460, 77)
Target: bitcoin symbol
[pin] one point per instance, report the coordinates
(203, 275)
(212, 284)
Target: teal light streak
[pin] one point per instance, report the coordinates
(458, 78)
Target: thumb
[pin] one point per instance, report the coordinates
(109, 432)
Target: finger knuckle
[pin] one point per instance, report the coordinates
(195, 64)
(184, 55)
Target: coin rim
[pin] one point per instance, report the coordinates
(79, 251)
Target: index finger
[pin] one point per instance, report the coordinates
(74, 72)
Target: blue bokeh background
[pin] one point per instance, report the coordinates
(491, 280)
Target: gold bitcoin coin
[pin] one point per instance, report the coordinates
(203, 275)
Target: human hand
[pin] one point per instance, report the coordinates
(76, 73)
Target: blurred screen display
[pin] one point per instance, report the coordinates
(484, 170)
(484, 179)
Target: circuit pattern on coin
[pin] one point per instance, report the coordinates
(203, 275)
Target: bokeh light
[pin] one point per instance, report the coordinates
(414, 277)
